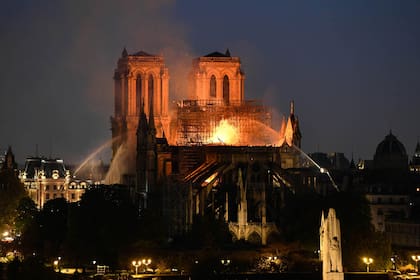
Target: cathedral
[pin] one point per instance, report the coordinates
(212, 152)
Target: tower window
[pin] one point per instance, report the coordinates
(138, 94)
(226, 89)
(213, 86)
(151, 89)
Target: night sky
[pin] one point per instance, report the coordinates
(352, 67)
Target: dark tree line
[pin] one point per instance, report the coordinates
(100, 227)
(105, 226)
(11, 191)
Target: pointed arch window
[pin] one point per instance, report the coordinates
(213, 86)
(139, 96)
(151, 89)
(226, 89)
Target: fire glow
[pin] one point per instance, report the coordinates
(225, 133)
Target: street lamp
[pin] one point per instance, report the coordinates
(225, 262)
(136, 264)
(394, 267)
(146, 263)
(367, 261)
(416, 259)
(56, 265)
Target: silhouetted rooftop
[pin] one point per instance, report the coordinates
(142, 53)
(217, 54)
(390, 146)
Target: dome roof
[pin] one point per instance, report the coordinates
(390, 146)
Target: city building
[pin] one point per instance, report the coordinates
(390, 154)
(45, 179)
(392, 191)
(387, 206)
(415, 161)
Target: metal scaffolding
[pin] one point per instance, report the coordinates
(197, 120)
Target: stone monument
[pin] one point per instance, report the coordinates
(330, 247)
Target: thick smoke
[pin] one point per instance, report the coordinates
(59, 76)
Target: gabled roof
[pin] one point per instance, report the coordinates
(141, 53)
(217, 54)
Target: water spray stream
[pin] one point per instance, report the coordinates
(321, 169)
(97, 151)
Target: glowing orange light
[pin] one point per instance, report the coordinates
(225, 133)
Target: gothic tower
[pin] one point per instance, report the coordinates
(139, 77)
(289, 131)
(290, 140)
(217, 77)
(141, 164)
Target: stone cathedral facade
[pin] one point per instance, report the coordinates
(179, 159)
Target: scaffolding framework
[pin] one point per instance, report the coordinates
(197, 121)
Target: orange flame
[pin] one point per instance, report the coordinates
(225, 133)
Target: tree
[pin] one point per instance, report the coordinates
(26, 213)
(43, 232)
(11, 191)
(102, 226)
(208, 232)
(359, 238)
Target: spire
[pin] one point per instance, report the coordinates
(352, 164)
(227, 52)
(124, 53)
(142, 126)
(292, 107)
(9, 160)
(152, 116)
(417, 151)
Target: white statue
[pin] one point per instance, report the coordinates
(334, 254)
(330, 247)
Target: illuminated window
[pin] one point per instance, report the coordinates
(213, 86)
(226, 89)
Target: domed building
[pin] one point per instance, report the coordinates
(390, 154)
(415, 161)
